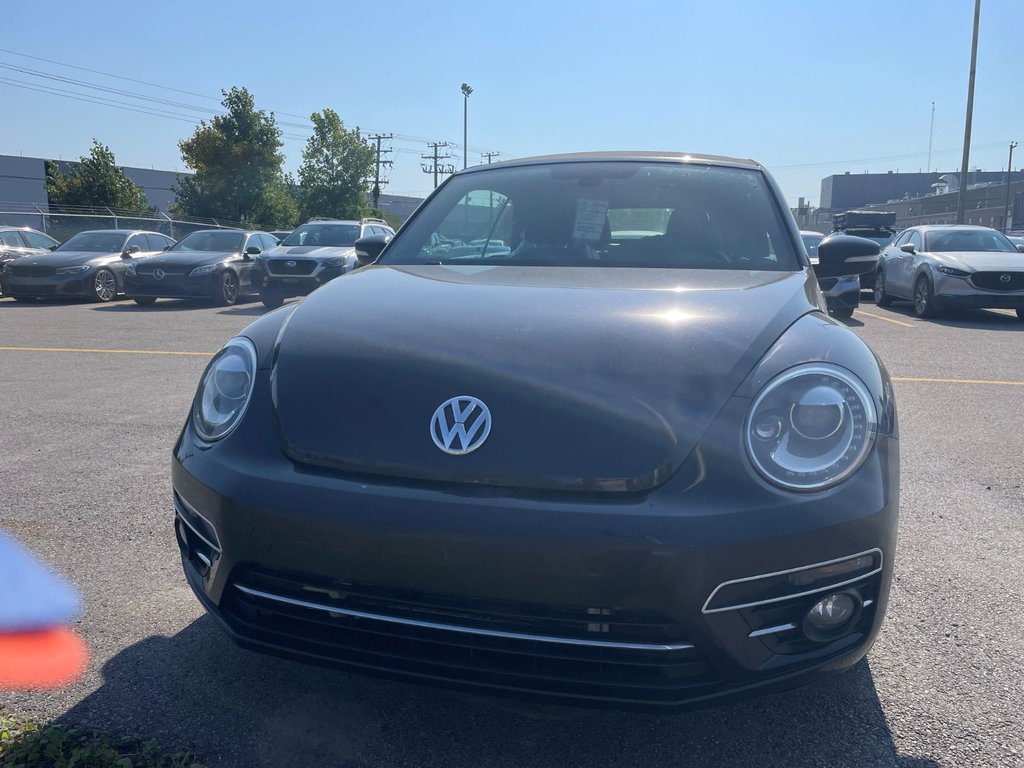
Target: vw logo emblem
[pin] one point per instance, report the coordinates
(460, 425)
(290, 264)
(1005, 278)
(158, 274)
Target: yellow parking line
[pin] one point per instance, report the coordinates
(958, 381)
(886, 319)
(108, 351)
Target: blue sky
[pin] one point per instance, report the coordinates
(808, 88)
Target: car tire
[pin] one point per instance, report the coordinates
(226, 291)
(842, 313)
(270, 301)
(104, 286)
(882, 299)
(923, 299)
(145, 301)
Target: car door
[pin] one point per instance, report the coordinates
(243, 267)
(907, 264)
(888, 261)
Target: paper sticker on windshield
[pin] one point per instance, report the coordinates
(590, 218)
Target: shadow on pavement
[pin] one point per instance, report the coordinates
(233, 707)
(981, 319)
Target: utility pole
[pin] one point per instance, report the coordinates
(1009, 178)
(490, 194)
(961, 198)
(435, 166)
(931, 133)
(376, 174)
(466, 90)
(489, 156)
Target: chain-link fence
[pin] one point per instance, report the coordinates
(62, 221)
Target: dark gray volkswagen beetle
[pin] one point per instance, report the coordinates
(582, 429)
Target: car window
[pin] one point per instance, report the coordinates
(38, 239)
(903, 237)
(158, 242)
(94, 242)
(138, 240)
(12, 239)
(322, 234)
(969, 240)
(915, 240)
(811, 244)
(224, 241)
(602, 214)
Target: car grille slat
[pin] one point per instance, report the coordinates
(24, 270)
(611, 670)
(299, 266)
(993, 281)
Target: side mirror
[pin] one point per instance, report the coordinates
(368, 248)
(840, 255)
(1021, 247)
(253, 250)
(908, 248)
(130, 251)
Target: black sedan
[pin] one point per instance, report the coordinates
(211, 264)
(627, 459)
(90, 264)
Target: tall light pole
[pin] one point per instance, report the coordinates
(466, 90)
(931, 133)
(1009, 178)
(961, 199)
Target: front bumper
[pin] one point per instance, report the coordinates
(957, 293)
(286, 286)
(172, 286)
(606, 602)
(53, 286)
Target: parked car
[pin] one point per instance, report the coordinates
(281, 234)
(641, 472)
(1018, 241)
(842, 294)
(942, 267)
(315, 253)
(18, 242)
(90, 264)
(211, 264)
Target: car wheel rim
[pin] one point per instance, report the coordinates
(921, 297)
(878, 287)
(106, 288)
(230, 288)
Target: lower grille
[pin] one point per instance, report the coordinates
(388, 638)
(998, 281)
(23, 270)
(34, 290)
(298, 266)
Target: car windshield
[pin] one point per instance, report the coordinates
(98, 242)
(968, 240)
(337, 235)
(222, 242)
(602, 214)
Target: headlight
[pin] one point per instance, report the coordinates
(811, 427)
(953, 272)
(73, 270)
(225, 390)
(199, 271)
(333, 263)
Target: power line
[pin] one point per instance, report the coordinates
(489, 156)
(908, 156)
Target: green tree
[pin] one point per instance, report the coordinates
(95, 180)
(237, 163)
(337, 165)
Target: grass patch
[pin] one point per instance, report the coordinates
(24, 744)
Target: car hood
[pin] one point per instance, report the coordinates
(69, 258)
(178, 259)
(980, 261)
(309, 251)
(596, 379)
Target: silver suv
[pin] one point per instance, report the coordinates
(313, 254)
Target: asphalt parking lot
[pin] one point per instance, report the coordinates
(93, 397)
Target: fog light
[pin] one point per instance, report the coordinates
(831, 614)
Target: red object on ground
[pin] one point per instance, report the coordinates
(46, 658)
